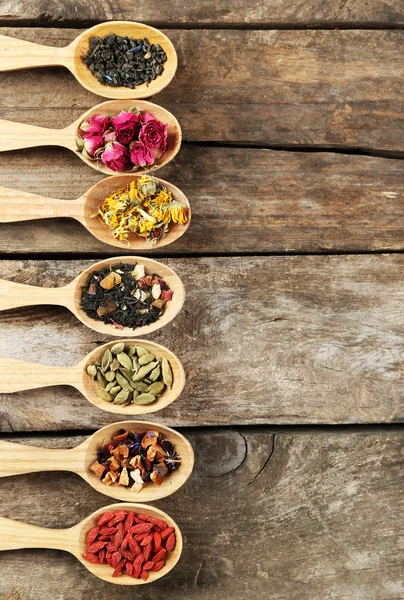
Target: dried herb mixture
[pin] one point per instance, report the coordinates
(123, 61)
(131, 375)
(144, 207)
(133, 459)
(124, 296)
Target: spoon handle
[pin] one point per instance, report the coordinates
(16, 205)
(18, 54)
(14, 136)
(18, 375)
(14, 295)
(18, 459)
(15, 535)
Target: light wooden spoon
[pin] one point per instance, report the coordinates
(14, 136)
(16, 205)
(18, 459)
(15, 535)
(15, 295)
(18, 54)
(18, 375)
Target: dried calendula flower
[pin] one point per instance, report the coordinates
(144, 208)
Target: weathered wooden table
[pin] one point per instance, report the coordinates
(292, 331)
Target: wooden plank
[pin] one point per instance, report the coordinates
(294, 88)
(230, 13)
(278, 202)
(292, 516)
(303, 339)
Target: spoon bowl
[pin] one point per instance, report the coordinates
(14, 136)
(19, 54)
(18, 375)
(15, 535)
(17, 459)
(14, 295)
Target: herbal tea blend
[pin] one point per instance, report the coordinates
(124, 296)
(132, 544)
(126, 142)
(133, 459)
(123, 61)
(131, 375)
(144, 207)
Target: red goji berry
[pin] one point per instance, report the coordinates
(158, 522)
(166, 533)
(125, 541)
(144, 575)
(147, 540)
(116, 558)
(107, 530)
(130, 519)
(129, 568)
(170, 543)
(134, 547)
(140, 536)
(148, 565)
(92, 558)
(118, 569)
(120, 534)
(126, 554)
(101, 555)
(104, 518)
(156, 541)
(141, 528)
(96, 547)
(92, 535)
(160, 554)
(142, 517)
(147, 551)
(159, 565)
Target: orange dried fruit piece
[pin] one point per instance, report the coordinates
(97, 468)
(111, 280)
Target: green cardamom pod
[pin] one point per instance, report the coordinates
(131, 351)
(167, 373)
(135, 364)
(114, 391)
(156, 388)
(155, 374)
(118, 347)
(101, 379)
(146, 358)
(106, 360)
(144, 399)
(124, 360)
(114, 366)
(109, 387)
(135, 395)
(127, 373)
(122, 397)
(140, 351)
(105, 396)
(110, 376)
(92, 371)
(122, 381)
(140, 386)
(145, 370)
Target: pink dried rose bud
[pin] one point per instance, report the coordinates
(95, 126)
(126, 126)
(93, 143)
(109, 136)
(140, 155)
(153, 133)
(115, 156)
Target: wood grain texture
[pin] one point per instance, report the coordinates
(304, 339)
(278, 202)
(292, 516)
(207, 12)
(307, 88)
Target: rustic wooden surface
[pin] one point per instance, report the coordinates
(293, 146)
(340, 89)
(227, 13)
(278, 202)
(287, 514)
(309, 339)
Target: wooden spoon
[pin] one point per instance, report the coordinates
(17, 54)
(18, 459)
(14, 136)
(15, 535)
(22, 206)
(14, 295)
(18, 375)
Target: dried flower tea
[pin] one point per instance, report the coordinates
(123, 61)
(123, 295)
(132, 544)
(131, 375)
(133, 459)
(144, 207)
(126, 142)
